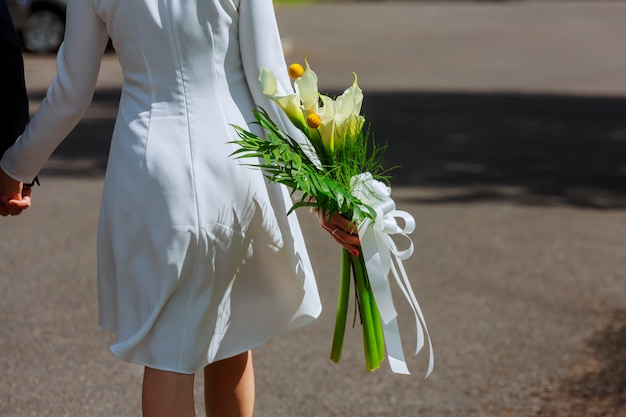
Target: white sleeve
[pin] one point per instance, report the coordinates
(69, 96)
(260, 46)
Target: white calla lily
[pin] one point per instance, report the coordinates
(270, 85)
(289, 103)
(348, 121)
(326, 112)
(340, 119)
(306, 88)
(349, 103)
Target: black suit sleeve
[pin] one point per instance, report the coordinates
(14, 110)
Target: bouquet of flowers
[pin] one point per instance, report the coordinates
(339, 170)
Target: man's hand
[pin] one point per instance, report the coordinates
(14, 197)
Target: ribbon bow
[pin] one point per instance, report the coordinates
(383, 256)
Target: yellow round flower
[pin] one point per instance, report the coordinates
(313, 121)
(295, 71)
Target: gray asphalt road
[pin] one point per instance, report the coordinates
(508, 122)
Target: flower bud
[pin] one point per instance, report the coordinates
(313, 121)
(295, 71)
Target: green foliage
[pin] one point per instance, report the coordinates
(324, 186)
(359, 155)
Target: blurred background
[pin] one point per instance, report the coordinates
(507, 122)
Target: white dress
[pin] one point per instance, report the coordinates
(197, 260)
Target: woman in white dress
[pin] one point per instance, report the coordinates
(197, 261)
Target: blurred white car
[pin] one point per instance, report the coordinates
(40, 23)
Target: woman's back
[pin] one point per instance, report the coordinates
(184, 86)
(188, 77)
(175, 50)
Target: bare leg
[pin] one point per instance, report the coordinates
(167, 394)
(229, 387)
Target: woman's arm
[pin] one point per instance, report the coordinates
(261, 47)
(67, 99)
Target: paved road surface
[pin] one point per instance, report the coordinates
(508, 121)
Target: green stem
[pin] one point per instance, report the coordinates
(342, 307)
(378, 329)
(366, 298)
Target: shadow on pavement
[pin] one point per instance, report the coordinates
(600, 384)
(608, 379)
(529, 149)
(521, 148)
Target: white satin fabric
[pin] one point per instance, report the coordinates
(382, 258)
(197, 260)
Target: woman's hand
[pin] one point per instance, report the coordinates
(14, 197)
(340, 228)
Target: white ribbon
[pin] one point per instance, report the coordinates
(383, 256)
